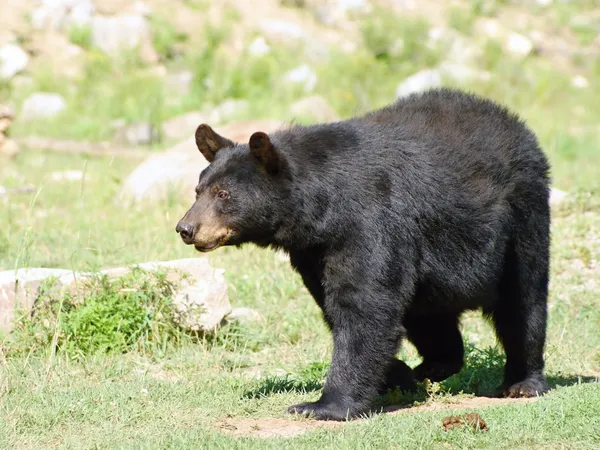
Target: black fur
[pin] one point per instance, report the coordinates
(398, 221)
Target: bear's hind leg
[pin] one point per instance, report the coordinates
(439, 342)
(521, 313)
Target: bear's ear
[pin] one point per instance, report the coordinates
(209, 142)
(262, 149)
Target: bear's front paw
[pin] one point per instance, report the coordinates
(530, 387)
(323, 411)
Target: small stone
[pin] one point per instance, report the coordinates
(518, 44)
(259, 47)
(315, 107)
(228, 110)
(9, 148)
(244, 315)
(67, 175)
(304, 75)
(3, 191)
(42, 105)
(114, 34)
(180, 82)
(579, 81)
(140, 133)
(463, 73)
(13, 60)
(557, 196)
(282, 30)
(183, 126)
(419, 82)
(60, 14)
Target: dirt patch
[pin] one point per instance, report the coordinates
(271, 427)
(280, 427)
(459, 403)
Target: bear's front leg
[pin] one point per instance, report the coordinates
(367, 330)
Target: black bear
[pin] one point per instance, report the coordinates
(397, 221)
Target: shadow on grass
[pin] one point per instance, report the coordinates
(282, 385)
(481, 376)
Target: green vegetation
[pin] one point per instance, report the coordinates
(114, 372)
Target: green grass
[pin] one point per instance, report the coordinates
(87, 395)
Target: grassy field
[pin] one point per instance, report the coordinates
(231, 391)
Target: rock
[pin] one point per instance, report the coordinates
(511, 42)
(201, 301)
(139, 133)
(463, 73)
(304, 75)
(124, 32)
(60, 14)
(3, 191)
(259, 47)
(579, 81)
(228, 110)
(184, 125)
(336, 11)
(8, 147)
(67, 175)
(13, 60)
(42, 105)
(557, 196)
(315, 107)
(283, 31)
(53, 50)
(112, 7)
(180, 82)
(455, 47)
(244, 315)
(419, 82)
(178, 168)
(19, 289)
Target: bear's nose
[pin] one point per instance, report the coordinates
(186, 231)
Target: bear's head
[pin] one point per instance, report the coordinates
(237, 193)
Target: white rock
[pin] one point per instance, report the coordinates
(180, 82)
(512, 42)
(282, 30)
(461, 72)
(59, 14)
(13, 60)
(557, 196)
(259, 47)
(19, 289)
(139, 133)
(419, 82)
(518, 44)
(579, 81)
(67, 175)
(42, 105)
(3, 191)
(228, 110)
(244, 315)
(304, 75)
(114, 34)
(201, 301)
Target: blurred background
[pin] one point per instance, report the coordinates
(99, 98)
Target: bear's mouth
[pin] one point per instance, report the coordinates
(204, 248)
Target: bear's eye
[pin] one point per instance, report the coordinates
(222, 195)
